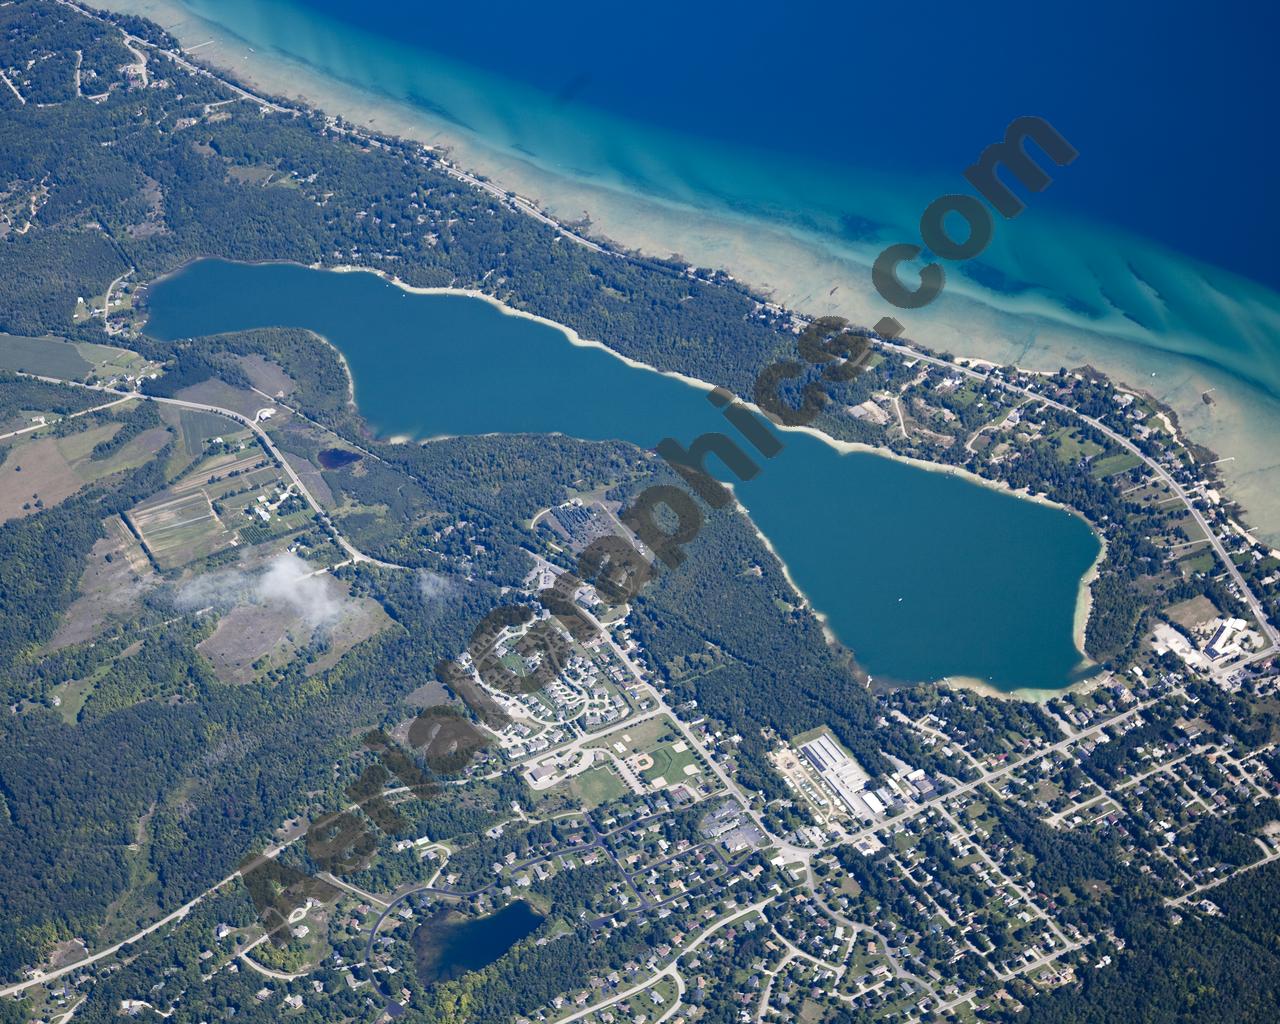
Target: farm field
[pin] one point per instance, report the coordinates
(41, 470)
(204, 511)
(179, 528)
(54, 357)
(49, 357)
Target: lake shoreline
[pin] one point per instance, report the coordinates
(779, 263)
(1083, 592)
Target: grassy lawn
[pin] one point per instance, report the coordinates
(1110, 465)
(1201, 561)
(641, 737)
(1069, 446)
(73, 695)
(669, 764)
(596, 787)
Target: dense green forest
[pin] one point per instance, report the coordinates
(166, 777)
(1206, 970)
(19, 394)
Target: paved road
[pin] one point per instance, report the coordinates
(1012, 766)
(670, 970)
(44, 426)
(1159, 470)
(354, 553)
(177, 915)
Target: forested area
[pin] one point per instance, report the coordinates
(20, 394)
(216, 767)
(765, 663)
(43, 556)
(1207, 970)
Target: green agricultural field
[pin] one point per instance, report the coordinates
(54, 357)
(47, 357)
(109, 361)
(198, 428)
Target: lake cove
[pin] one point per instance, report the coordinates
(924, 575)
(450, 945)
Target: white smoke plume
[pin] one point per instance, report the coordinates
(433, 587)
(287, 581)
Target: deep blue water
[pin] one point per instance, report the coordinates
(447, 948)
(835, 126)
(1167, 102)
(923, 575)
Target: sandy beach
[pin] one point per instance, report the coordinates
(1240, 425)
(1084, 599)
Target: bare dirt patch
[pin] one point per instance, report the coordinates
(35, 472)
(69, 952)
(428, 695)
(116, 575)
(250, 639)
(266, 375)
(1193, 613)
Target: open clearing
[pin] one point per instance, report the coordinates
(634, 741)
(252, 638)
(48, 357)
(1193, 613)
(54, 357)
(597, 786)
(41, 470)
(1111, 465)
(179, 529)
(116, 575)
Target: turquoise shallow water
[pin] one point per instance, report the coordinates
(791, 143)
(841, 123)
(924, 575)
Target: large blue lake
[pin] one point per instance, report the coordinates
(922, 574)
(841, 122)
